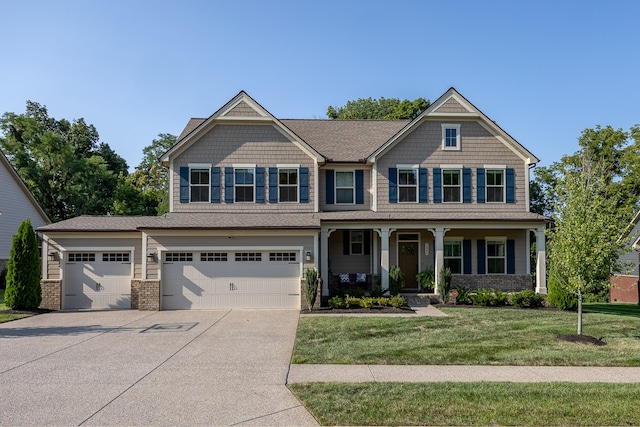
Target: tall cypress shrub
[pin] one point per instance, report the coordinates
(23, 270)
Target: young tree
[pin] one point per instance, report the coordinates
(585, 243)
(23, 270)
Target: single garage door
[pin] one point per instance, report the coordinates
(229, 279)
(97, 280)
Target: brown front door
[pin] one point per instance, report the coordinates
(408, 263)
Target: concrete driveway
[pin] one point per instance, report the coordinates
(149, 368)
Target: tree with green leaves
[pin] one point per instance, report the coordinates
(23, 270)
(585, 244)
(378, 109)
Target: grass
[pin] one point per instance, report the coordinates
(472, 404)
(473, 336)
(7, 317)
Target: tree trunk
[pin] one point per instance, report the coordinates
(579, 312)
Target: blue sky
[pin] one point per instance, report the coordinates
(543, 70)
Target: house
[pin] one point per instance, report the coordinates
(256, 200)
(624, 287)
(16, 204)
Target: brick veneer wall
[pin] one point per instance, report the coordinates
(51, 294)
(507, 283)
(145, 295)
(624, 289)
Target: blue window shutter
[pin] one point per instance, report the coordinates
(228, 185)
(423, 186)
(184, 184)
(482, 269)
(480, 181)
(466, 256)
(437, 185)
(215, 185)
(511, 186)
(330, 186)
(304, 185)
(259, 185)
(359, 187)
(393, 185)
(466, 185)
(511, 256)
(273, 185)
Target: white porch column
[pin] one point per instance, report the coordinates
(438, 244)
(541, 262)
(384, 256)
(324, 260)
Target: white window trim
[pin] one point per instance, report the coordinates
(502, 239)
(504, 184)
(351, 242)
(446, 126)
(236, 185)
(289, 167)
(452, 168)
(455, 239)
(416, 169)
(200, 166)
(353, 188)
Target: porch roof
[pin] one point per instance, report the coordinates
(449, 216)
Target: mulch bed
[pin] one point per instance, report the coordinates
(25, 311)
(582, 339)
(356, 310)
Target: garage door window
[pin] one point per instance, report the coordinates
(213, 256)
(116, 257)
(248, 256)
(282, 256)
(178, 256)
(77, 257)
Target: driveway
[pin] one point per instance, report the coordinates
(149, 368)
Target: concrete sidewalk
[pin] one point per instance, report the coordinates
(442, 373)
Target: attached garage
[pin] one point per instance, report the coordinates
(97, 280)
(223, 279)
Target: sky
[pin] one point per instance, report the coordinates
(543, 70)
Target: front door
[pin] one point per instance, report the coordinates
(408, 263)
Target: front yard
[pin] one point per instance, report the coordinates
(6, 317)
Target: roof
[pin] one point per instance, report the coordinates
(445, 216)
(23, 186)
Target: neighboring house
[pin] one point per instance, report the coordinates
(624, 287)
(16, 204)
(255, 200)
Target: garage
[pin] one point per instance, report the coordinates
(223, 279)
(97, 280)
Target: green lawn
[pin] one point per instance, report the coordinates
(472, 404)
(473, 336)
(5, 317)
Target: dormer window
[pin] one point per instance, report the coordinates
(450, 136)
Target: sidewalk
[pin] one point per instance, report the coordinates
(463, 373)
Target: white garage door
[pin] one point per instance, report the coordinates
(97, 280)
(229, 279)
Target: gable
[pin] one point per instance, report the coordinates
(452, 105)
(242, 109)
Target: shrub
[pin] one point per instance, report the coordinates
(499, 297)
(427, 279)
(464, 295)
(527, 299)
(560, 298)
(23, 270)
(383, 301)
(445, 284)
(311, 288)
(396, 280)
(482, 297)
(377, 290)
(397, 301)
(367, 302)
(351, 301)
(337, 302)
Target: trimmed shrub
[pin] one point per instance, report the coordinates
(367, 302)
(23, 270)
(352, 301)
(527, 299)
(337, 302)
(397, 301)
(499, 297)
(482, 297)
(311, 288)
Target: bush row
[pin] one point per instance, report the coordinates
(366, 302)
(496, 297)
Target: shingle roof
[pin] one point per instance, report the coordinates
(449, 216)
(191, 125)
(101, 223)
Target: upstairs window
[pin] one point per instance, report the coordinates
(288, 185)
(244, 184)
(451, 137)
(345, 187)
(495, 185)
(199, 189)
(407, 185)
(451, 185)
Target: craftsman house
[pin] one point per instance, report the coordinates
(256, 200)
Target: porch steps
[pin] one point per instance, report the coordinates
(417, 300)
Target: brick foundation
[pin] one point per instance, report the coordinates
(624, 289)
(51, 294)
(506, 282)
(145, 295)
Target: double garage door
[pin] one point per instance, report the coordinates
(220, 279)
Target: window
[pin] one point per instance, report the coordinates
(77, 257)
(248, 256)
(451, 186)
(345, 187)
(356, 242)
(244, 184)
(199, 185)
(453, 255)
(213, 256)
(450, 137)
(496, 257)
(178, 256)
(407, 185)
(288, 185)
(115, 257)
(495, 185)
(282, 256)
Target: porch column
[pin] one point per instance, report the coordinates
(324, 260)
(541, 262)
(438, 233)
(384, 256)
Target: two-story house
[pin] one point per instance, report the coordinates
(256, 200)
